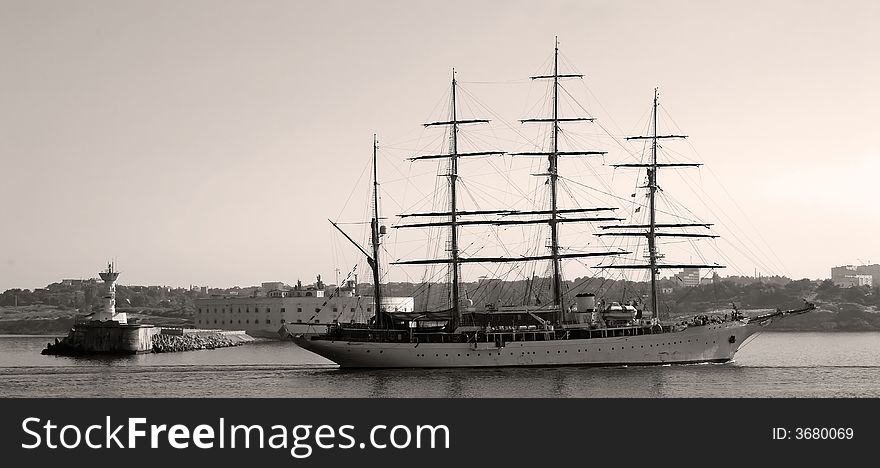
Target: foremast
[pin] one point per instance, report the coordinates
(652, 232)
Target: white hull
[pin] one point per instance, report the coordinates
(708, 343)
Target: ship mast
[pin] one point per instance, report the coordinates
(553, 176)
(453, 214)
(652, 232)
(374, 231)
(553, 217)
(375, 238)
(454, 259)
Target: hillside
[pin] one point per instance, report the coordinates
(41, 319)
(50, 310)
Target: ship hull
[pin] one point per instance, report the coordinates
(708, 343)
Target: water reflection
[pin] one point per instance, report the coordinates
(775, 365)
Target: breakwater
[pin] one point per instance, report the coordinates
(107, 337)
(170, 343)
(114, 338)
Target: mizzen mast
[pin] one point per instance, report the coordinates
(453, 214)
(375, 240)
(554, 216)
(374, 237)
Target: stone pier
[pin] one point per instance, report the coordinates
(109, 337)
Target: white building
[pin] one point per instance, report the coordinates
(848, 276)
(304, 310)
(689, 277)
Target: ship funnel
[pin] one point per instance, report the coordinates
(586, 303)
(586, 307)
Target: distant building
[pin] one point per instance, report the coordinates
(252, 291)
(302, 309)
(78, 283)
(266, 288)
(665, 290)
(848, 276)
(689, 277)
(873, 270)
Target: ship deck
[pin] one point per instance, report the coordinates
(341, 333)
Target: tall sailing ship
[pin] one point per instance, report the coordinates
(585, 331)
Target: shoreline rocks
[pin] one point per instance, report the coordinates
(163, 343)
(91, 340)
(61, 347)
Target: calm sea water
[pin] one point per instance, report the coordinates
(771, 365)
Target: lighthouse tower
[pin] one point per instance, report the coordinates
(109, 313)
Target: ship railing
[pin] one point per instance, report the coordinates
(498, 337)
(582, 333)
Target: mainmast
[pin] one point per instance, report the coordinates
(652, 233)
(457, 218)
(374, 231)
(453, 214)
(652, 190)
(553, 176)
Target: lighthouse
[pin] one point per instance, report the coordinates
(108, 332)
(109, 313)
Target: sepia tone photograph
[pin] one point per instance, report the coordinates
(457, 199)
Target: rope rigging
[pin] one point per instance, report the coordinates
(480, 194)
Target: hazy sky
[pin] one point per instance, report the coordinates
(207, 142)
